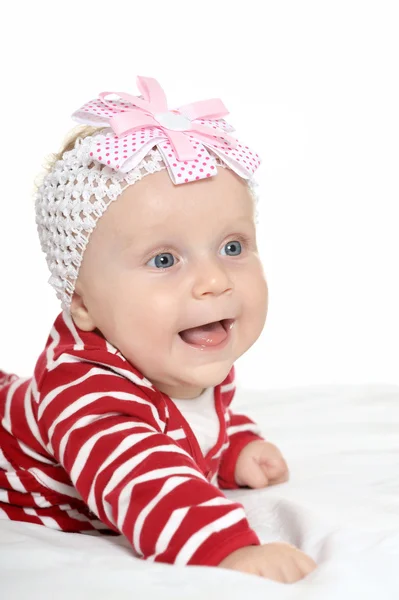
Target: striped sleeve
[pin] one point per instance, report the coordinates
(240, 431)
(109, 437)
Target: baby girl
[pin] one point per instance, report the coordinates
(147, 220)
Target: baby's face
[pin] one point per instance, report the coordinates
(165, 258)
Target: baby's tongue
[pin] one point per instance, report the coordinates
(210, 334)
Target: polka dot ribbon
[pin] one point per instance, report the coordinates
(138, 123)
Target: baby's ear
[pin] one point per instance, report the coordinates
(80, 313)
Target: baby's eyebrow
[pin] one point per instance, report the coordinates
(153, 235)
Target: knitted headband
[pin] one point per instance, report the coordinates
(139, 135)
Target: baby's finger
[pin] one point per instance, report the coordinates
(279, 479)
(277, 471)
(258, 478)
(292, 570)
(306, 564)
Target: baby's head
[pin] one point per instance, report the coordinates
(149, 269)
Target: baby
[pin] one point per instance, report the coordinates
(148, 225)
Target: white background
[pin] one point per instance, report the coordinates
(311, 86)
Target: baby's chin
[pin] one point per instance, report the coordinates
(205, 376)
(194, 381)
(214, 375)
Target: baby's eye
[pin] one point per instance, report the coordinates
(233, 248)
(162, 261)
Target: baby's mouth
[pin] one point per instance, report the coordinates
(209, 334)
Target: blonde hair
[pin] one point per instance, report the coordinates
(68, 143)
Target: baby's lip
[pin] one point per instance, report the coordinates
(227, 324)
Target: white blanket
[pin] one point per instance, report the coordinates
(341, 506)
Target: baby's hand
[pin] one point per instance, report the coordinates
(260, 464)
(278, 561)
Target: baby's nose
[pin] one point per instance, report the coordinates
(212, 279)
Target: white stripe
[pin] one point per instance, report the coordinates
(34, 429)
(127, 443)
(4, 464)
(66, 359)
(82, 422)
(75, 514)
(98, 524)
(79, 345)
(200, 536)
(110, 348)
(141, 382)
(48, 521)
(125, 495)
(3, 513)
(54, 485)
(177, 434)
(94, 532)
(6, 421)
(4, 496)
(51, 395)
(92, 397)
(50, 350)
(131, 463)
(35, 392)
(245, 427)
(222, 449)
(214, 479)
(15, 481)
(28, 450)
(217, 501)
(227, 387)
(40, 500)
(174, 522)
(121, 447)
(169, 485)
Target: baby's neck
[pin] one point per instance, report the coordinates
(182, 392)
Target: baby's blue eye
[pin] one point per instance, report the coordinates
(162, 261)
(233, 248)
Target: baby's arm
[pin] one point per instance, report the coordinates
(241, 430)
(248, 460)
(133, 476)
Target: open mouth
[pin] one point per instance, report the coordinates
(211, 334)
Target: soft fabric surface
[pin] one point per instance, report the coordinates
(341, 506)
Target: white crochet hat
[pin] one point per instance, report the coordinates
(80, 186)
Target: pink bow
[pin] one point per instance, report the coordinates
(139, 123)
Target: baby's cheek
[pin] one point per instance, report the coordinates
(260, 305)
(258, 294)
(254, 316)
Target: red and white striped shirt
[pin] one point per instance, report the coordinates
(89, 445)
